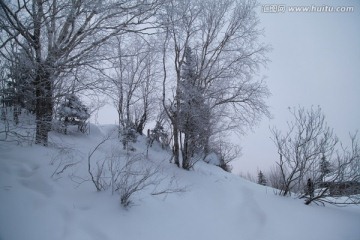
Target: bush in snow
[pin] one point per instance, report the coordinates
(129, 135)
(128, 174)
(73, 112)
(158, 134)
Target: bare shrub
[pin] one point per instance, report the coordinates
(134, 177)
(63, 160)
(21, 131)
(97, 177)
(128, 174)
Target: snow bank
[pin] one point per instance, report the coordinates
(37, 203)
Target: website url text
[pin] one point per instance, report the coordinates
(281, 8)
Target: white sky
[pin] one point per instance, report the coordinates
(315, 61)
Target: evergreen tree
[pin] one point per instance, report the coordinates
(325, 168)
(18, 91)
(73, 111)
(158, 134)
(261, 178)
(194, 113)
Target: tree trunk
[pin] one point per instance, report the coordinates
(141, 124)
(42, 82)
(44, 106)
(186, 153)
(176, 148)
(17, 112)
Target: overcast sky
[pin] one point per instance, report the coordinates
(315, 61)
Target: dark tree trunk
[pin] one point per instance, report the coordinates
(176, 148)
(186, 153)
(141, 124)
(44, 106)
(17, 111)
(42, 82)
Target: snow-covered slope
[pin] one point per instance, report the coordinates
(37, 203)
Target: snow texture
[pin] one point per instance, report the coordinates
(216, 205)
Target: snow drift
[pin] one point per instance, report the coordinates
(42, 199)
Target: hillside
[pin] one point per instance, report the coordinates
(41, 198)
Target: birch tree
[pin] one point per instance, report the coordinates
(224, 37)
(133, 80)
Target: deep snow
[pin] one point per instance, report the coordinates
(37, 204)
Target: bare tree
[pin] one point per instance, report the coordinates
(224, 38)
(225, 150)
(299, 149)
(341, 184)
(60, 36)
(133, 80)
(304, 148)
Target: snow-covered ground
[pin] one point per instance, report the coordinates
(37, 203)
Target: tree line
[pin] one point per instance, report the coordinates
(190, 65)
